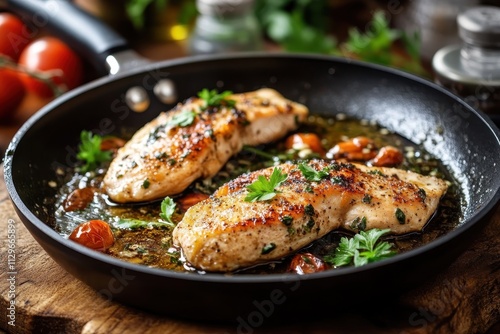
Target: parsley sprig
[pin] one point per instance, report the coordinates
(167, 207)
(167, 210)
(89, 151)
(263, 189)
(135, 224)
(183, 119)
(361, 249)
(212, 98)
(313, 175)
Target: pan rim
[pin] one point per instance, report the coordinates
(222, 277)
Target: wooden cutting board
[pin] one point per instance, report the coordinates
(464, 298)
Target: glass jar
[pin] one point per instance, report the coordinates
(225, 26)
(472, 69)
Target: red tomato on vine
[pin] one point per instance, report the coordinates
(50, 56)
(14, 36)
(12, 92)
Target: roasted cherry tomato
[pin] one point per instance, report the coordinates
(305, 140)
(11, 93)
(49, 55)
(112, 143)
(14, 36)
(354, 149)
(306, 263)
(95, 234)
(188, 200)
(388, 156)
(79, 199)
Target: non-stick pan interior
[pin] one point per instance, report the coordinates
(420, 111)
(446, 127)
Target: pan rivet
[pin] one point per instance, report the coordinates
(137, 99)
(165, 91)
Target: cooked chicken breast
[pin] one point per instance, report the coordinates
(225, 232)
(163, 158)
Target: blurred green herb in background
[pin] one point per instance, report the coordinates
(376, 45)
(302, 26)
(297, 25)
(135, 10)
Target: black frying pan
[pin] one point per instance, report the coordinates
(462, 137)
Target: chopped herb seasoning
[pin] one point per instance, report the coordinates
(146, 184)
(309, 210)
(268, 248)
(291, 231)
(309, 225)
(337, 180)
(376, 172)
(367, 199)
(308, 189)
(334, 166)
(155, 134)
(161, 155)
(174, 258)
(287, 220)
(359, 223)
(422, 194)
(172, 162)
(400, 216)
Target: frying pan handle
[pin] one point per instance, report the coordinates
(86, 34)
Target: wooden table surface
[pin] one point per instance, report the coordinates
(464, 298)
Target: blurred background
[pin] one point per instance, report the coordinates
(404, 34)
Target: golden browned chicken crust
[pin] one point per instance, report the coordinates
(162, 160)
(225, 232)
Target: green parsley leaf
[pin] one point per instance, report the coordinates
(212, 98)
(361, 249)
(134, 224)
(268, 248)
(344, 253)
(287, 220)
(183, 119)
(313, 175)
(89, 151)
(167, 209)
(400, 216)
(422, 194)
(367, 199)
(263, 189)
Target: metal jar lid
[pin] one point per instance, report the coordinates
(476, 62)
(224, 7)
(480, 26)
